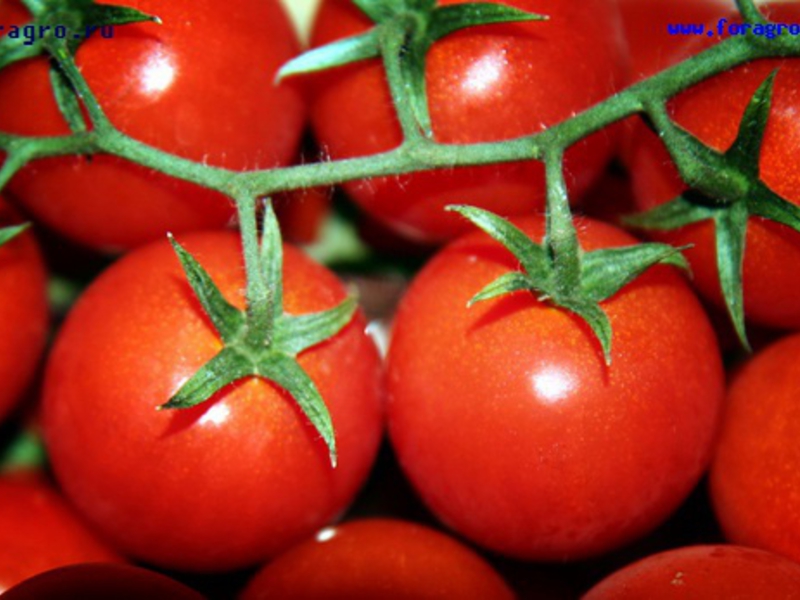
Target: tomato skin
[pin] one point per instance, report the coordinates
(23, 311)
(754, 479)
(484, 84)
(200, 86)
(41, 532)
(378, 558)
(712, 111)
(703, 573)
(234, 480)
(513, 431)
(121, 582)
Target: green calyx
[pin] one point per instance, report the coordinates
(404, 32)
(725, 188)
(262, 341)
(578, 284)
(9, 233)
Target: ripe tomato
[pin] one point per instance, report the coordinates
(234, 480)
(484, 84)
(378, 558)
(755, 474)
(703, 573)
(41, 532)
(512, 429)
(200, 86)
(23, 311)
(121, 582)
(712, 111)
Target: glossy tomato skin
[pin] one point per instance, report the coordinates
(121, 582)
(754, 480)
(712, 111)
(234, 480)
(715, 572)
(200, 86)
(41, 532)
(378, 558)
(484, 84)
(515, 433)
(23, 311)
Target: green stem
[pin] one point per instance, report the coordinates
(394, 42)
(561, 240)
(259, 298)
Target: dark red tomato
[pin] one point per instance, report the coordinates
(703, 573)
(200, 86)
(41, 532)
(378, 558)
(712, 111)
(120, 582)
(234, 480)
(484, 84)
(755, 474)
(23, 311)
(515, 433)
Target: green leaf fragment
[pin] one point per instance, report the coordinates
(9, 233)
(335, 54)
(449, 19)
(13, 50)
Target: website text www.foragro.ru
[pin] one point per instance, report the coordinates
(33, 33)
(767, 30)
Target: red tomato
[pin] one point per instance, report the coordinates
(23, 311)
(755, 475)
(234, 480)
(199, 86)
(515, 433)
(121, 582)
(712, 111)
(41, 532)
(484, 84)
(703, 573)
(378, 558)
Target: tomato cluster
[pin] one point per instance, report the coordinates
(485, 445)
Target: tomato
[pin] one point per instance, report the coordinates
(41, 532)
(200, 86)
(754, 478)
(712, 111)
(378, 558)
(121, 582)
(23, 311)
(703, 573)
(512, 429)
(234, 480)
(484, 84)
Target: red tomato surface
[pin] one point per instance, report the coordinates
(378, 558)
(200, 86)
(120, 582)
(712, 111)
(515, 433)
(703, 573)
(484, 84)
(23, 311)
(234, 480)
(40, 532)
(755, 474)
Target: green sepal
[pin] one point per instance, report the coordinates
(12, 50)
(505, 284)
(226, 318)
(730, 230)
(293, 334)
(67, 101)
(378, 10)
(597, 320)
(765, 203)
(335, 54)
(9, 233)
(752, 127)
(449, 19)
(678, 212)
(288, 374)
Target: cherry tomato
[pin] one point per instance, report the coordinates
(755, 475)
(41, 532)
(23, 311)
(703, 573)
(513, 430)
(200, 86)
(485, 83)
(713, 111)
(121, 582)
(378, 558)
(234, 480)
